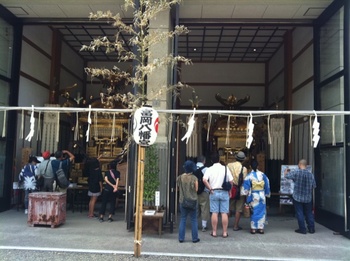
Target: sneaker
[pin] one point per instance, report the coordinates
(26, 211)
(204, 229)
(300, 231)
(110, 220)
(101, 220)
(196, 241)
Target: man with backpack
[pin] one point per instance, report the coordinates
(203, 193)
(63, 162)
(45, 171)
(239, 172)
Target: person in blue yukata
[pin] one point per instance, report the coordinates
(304, 183)
(257, 187)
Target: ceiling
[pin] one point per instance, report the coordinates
(220, 30)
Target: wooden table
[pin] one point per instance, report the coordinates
(153, 223)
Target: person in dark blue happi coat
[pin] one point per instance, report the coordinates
(27, 178)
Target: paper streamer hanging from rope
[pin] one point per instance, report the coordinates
(190, 127)
(333, 131)
(209, 124)
(58, 128)
(316, 130)
(290, 128)
(250, 130)
(76, 129)
(95, 125)
(169, 129)
(89, 123)
(22, 126)
(38, 133)
(228, 130)
(32, 126)
(4, 125)
(268, 130)
(113, 128)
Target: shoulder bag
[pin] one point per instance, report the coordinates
(236, 189)
(226, 185)
(187, 203)
(61, 178)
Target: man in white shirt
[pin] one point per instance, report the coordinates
(219, 198)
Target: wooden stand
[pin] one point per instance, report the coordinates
(47, 208)
(153, 223)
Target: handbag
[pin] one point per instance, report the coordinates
(246, 210)
(226, 185)
(236, 189)
(188, 203)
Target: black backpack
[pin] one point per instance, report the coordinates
(199, 174)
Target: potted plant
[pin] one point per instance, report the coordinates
(151, 176)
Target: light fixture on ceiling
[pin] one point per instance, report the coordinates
(195, 49)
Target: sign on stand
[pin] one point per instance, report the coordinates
(145, 134)
(287, 185)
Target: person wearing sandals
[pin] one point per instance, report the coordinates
(110, 191)
(256, 187)
(95, 179)
(188, 186)
(219, 199)
(236, 204)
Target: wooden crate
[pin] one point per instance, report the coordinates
(47, 208)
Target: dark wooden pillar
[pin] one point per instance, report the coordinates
(55, 72)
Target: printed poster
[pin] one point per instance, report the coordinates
(287, 185)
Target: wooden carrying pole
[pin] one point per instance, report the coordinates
(139, 201)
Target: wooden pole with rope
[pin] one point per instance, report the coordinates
(139, 201)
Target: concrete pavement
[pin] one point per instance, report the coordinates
(83, 235)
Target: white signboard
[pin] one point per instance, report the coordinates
(146, 122)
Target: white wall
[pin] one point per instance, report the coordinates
(212, 75)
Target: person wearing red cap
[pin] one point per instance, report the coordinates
(45, 170)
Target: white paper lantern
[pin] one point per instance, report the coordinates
(145, 126)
